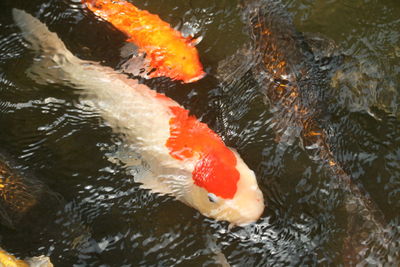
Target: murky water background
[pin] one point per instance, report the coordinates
(105, 219)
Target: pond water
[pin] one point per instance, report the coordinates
(104, 218)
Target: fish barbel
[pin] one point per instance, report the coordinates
(187, 159)
(168, 52)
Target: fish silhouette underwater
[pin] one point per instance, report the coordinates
(168, 53)
(186, 159)
(20, 193)
(291, 70)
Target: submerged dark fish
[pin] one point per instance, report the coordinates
(16, 195)
(19, 193)
(292, 75)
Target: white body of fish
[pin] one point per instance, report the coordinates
(142, 117)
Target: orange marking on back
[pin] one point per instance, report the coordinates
(169, 53)
(215, 170)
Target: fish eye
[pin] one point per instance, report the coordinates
(212, 198)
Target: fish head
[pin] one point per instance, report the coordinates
(188, 67)
(179, 62)
(222, 186)
(228, 193)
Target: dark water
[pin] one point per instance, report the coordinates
(105, 219)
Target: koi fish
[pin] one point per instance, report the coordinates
(290, 74)
(187, 159)
(17, 194)
(168, 52)
(9, 260)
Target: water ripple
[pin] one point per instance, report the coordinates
(107, 219)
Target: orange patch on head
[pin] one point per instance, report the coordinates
(215, 169)
(216, 175)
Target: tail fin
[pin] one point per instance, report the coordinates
(52, 55)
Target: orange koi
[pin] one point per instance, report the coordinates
(8, 260)
(168, 52)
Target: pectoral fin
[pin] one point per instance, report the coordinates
(150, 181)
(134, 61)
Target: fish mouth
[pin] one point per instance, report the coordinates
(239, 216)
(196, 78)
(250, 217)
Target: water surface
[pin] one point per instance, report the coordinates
(106, 219)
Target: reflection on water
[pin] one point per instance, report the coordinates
(107, 219)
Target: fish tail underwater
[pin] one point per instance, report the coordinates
(51, 51)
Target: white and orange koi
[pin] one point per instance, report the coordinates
(186, 158)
